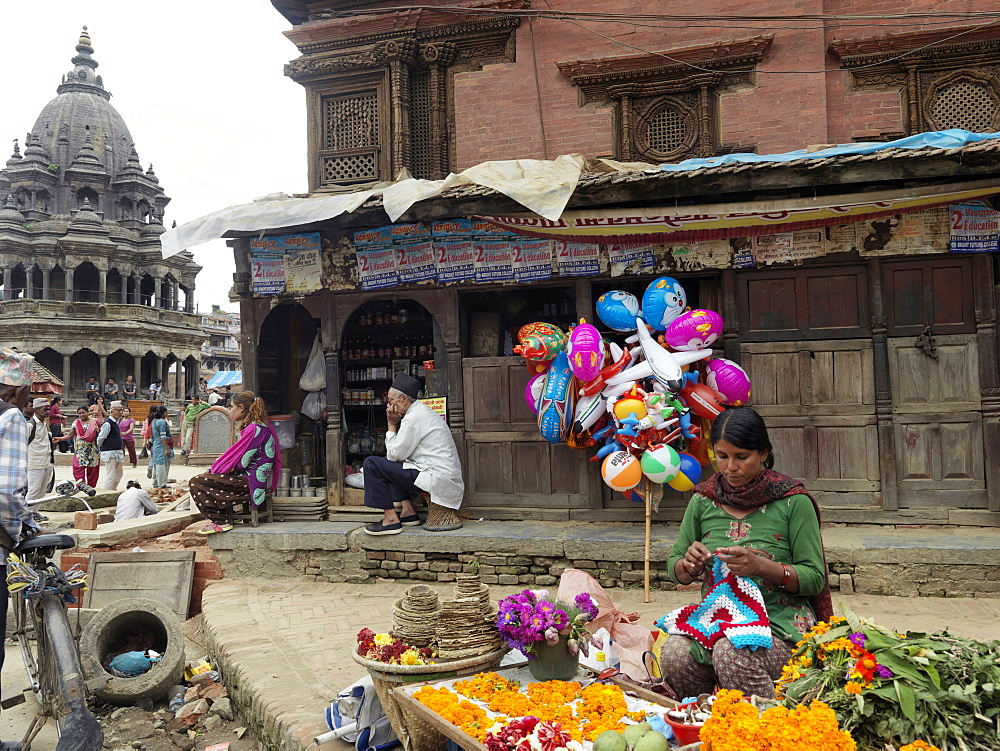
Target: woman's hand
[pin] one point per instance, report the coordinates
(695, 559)
(741, 561)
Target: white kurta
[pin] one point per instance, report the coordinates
(424, 443)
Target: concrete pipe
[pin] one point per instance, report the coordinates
(109, 628)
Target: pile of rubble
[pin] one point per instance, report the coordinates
(202, 719)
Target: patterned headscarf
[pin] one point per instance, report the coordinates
(15, 368)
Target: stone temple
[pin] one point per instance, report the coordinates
(84, 286)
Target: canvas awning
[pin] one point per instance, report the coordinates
(225, 378)
(545, 187)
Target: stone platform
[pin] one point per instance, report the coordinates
(948, 562)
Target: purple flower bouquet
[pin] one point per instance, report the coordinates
(529, 618)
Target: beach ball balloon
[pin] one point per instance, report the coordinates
(660, 463)
(688, 475)
(729, 381)
(696, 329)
(663, 300)
(702, 400)
(618, 309)
(621, 471)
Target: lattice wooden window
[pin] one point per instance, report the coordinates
(350, 135)
(422, 153)
(666, 128)
(962, 102)
(666, 122)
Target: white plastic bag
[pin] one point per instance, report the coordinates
(314, 376)
(314, 404)
(359, 712)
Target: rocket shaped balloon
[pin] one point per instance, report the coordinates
(663, 365)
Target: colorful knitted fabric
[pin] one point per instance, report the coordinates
(732, 608)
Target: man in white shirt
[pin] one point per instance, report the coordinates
(40, 465)
(420, 455)
(214, 398)
(109, 441)
(154, 389)
(134, 503)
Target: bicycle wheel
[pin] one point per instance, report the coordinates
(25, 631)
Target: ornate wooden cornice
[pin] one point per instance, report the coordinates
(464, 46)
(595, 78)
(853, 52)
(327, 34)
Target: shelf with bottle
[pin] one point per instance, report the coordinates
(386, 313)
(387, 348)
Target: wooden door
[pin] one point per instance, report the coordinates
(818, 399)
(514, 473)
(938, 422)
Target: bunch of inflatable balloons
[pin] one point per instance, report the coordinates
(646, 404)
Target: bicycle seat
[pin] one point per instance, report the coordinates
(60, 542)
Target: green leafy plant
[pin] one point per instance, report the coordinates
(54, 168)
(890, 689)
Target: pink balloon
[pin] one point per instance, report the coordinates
(586, 352)
(696, 329)
(533, 391)
(729, 381)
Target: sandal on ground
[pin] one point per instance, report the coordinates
(378, 528)
(410, 521)
(212, 528)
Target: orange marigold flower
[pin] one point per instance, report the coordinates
(853, 687)
(919, 745)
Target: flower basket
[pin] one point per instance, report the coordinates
(414, 733)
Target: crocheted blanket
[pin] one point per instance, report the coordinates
(732, 608)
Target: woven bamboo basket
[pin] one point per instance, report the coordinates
(414, 732)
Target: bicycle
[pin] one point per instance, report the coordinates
(39, 593)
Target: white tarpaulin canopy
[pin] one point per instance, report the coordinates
(543, 187)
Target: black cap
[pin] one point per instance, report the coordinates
(406, 384)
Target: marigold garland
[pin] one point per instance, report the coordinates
(600, 707)
(736, 725)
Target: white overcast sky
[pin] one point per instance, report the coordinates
(200, 86)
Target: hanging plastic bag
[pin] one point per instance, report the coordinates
(314, 376)
(314, 404)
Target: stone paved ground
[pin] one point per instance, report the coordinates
(285, 647)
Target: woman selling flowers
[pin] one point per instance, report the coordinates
(753, 534)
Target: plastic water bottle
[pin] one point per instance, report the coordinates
(175, 698)
(611, 655)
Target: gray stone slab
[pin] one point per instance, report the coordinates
(620, 542)
(115, 533)
(530, 538)
(284, 536)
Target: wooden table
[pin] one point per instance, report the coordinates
(430, 732)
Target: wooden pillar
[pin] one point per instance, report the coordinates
(730, 315)
(883, 390)
(989, 373)
(68, 276)
(334, 436)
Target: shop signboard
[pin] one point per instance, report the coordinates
(437, 403)
(634, 259)
(532, 259)
(578, 259)
(453, 245)
(376, 258)
(267, 266)
(975, 228)
(303, 263)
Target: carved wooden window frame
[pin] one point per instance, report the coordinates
(641, 86)
(344, 88)
(919, 65)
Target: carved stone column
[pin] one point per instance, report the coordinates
(123, 292)
(46, 283)
(102, 372)
(137, 373)
(66, 374)
(69, 285)
(883, 391)
(174, 294)
(102, 286)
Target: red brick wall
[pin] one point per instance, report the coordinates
(498, 114)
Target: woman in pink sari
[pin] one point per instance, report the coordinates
(246, 472)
